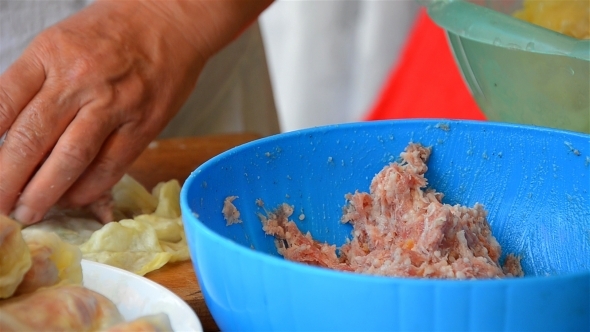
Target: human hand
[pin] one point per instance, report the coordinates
(90, 93)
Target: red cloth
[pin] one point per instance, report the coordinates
(426, 83)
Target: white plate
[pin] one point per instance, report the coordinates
(137, 296)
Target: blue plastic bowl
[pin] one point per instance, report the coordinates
(535, 183)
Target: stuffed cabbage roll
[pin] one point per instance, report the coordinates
(15, 259)
(53, 262)
(63, 308)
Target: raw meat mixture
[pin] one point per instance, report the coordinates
(399, 229)
(230, 212)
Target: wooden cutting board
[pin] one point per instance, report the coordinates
(175, 159)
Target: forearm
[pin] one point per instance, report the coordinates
(206, 25)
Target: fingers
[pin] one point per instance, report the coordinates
(118, 152)
(18, 85)
(74, 151)
(29, 139)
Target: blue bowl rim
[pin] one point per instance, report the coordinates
(278, 262)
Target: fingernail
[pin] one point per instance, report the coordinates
(25, 215)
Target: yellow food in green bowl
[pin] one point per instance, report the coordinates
(569, 17)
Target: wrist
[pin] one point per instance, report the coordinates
(207, 25)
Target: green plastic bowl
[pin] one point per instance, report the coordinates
(518, 72)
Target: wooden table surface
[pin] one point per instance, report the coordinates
(175, 159)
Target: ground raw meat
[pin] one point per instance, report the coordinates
(230, 212)
(400, 229)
